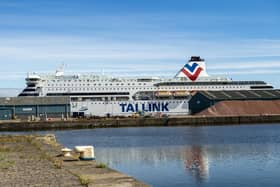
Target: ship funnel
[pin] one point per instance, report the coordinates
(194, 69)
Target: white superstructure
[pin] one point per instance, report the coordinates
(102, 95)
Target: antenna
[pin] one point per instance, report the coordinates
(62, 66)
(60, 70)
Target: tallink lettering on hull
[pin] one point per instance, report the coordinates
(146, 107)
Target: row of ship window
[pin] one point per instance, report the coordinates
(97, 80)
(121, 84)
(81, 89)
(144, 88)
(175, 102)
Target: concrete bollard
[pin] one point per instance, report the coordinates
(86, 152)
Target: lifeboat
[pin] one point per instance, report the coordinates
(163, 93)
(181, 93)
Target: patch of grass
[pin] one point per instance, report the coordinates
(4, 149)
(58, 163)
(7, 164)
(37, 145)
(84, 180)
(101, 165)
(21, 156)
(19, 148)
(4, 163)
(2, 157)
(45, 156)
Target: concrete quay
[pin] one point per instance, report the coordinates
(37, 161)
(137, 122)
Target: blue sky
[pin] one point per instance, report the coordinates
(238, 38)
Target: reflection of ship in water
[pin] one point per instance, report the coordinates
(195, 159)
(197, 162)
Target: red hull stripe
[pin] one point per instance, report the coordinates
(194, 76)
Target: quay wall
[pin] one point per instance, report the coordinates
(138, 122)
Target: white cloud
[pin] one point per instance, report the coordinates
(252, 72)
(75, 48)
(246, 65)
(165, 57)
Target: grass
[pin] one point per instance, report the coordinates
(101, 165)
(84, 180)
(7, 164)
(44, 155)
(22, 156)
(4, 149)
(2, 157)
(4, 163)
(58, 163)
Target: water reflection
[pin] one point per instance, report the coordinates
(193, 158)
(202, 164)
(196, 162)
(196, 156)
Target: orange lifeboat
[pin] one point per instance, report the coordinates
(181, 93)
(163, 93)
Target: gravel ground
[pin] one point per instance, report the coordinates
(23, 164)
(37, 161)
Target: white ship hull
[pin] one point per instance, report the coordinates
(128, 108)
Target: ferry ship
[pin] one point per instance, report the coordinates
(99, 95)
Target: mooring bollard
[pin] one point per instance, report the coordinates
(86, 152)
(66, 152)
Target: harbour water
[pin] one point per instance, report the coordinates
(246, 155)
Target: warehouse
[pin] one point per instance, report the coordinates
(243, 102)
(34, 107)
